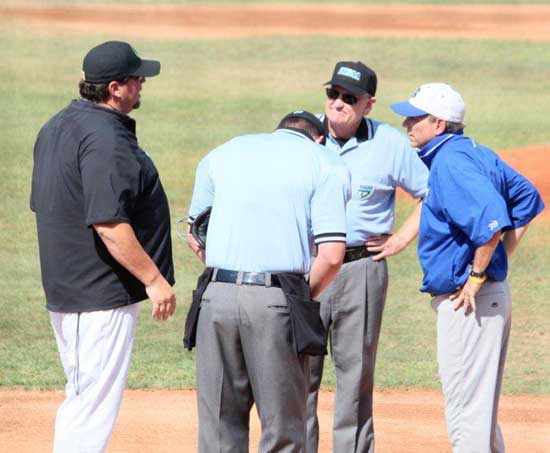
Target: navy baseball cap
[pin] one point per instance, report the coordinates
(309, 117)
(116, 60)
(355, 77)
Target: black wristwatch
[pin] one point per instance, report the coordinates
(481, 275)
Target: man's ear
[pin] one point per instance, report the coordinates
(320, 139)
(114, 88)
(369, 106)
(440, 127)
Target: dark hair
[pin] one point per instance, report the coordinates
(94, 92)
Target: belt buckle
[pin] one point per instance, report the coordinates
(253, 278)
(239, 278)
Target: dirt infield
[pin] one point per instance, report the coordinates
(165, 422)
(510, 22)
(532, 161)
(406, 421)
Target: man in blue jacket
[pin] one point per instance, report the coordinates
(474, 216)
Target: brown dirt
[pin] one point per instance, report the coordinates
(406, 421)
(510, 22)
(165, 421)
(532, 162)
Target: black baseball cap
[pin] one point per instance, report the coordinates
(355, 77)
(116, 60)
(309, 117)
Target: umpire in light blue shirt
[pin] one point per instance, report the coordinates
(273, 196)
(380, 160)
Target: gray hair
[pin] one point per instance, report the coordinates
(450, 126)
(454, 127)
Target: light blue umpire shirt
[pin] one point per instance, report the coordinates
(380, 159)
(272, 195)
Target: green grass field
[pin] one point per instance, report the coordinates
(209, 91)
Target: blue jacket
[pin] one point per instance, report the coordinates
(472, 195)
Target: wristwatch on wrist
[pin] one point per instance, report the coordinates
(477, 277)
(475, 274)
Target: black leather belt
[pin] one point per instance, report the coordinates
(356, 253)
(248, 278)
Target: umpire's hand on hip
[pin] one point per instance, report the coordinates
(385, 245)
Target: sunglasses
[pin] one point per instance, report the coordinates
(347, 98)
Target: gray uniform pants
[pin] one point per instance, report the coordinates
(471, 351)
(351, 307)
(245, 354)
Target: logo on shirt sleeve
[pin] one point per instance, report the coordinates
(365, 192)
(493, 225)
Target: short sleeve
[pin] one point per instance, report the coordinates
(328, 204)
(469, 199)
(203, 192)
(411, 174)
(111, 175)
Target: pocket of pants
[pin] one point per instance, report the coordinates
(279, 308)
(490, 293)
(492, 302)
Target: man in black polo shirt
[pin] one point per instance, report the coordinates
(104, 238)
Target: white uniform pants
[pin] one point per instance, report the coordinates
(95, 350)
(471, 351)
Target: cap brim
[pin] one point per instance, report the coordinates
(148, 68)
(407, 109)
(351, 88)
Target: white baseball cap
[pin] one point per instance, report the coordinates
(437, 99)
